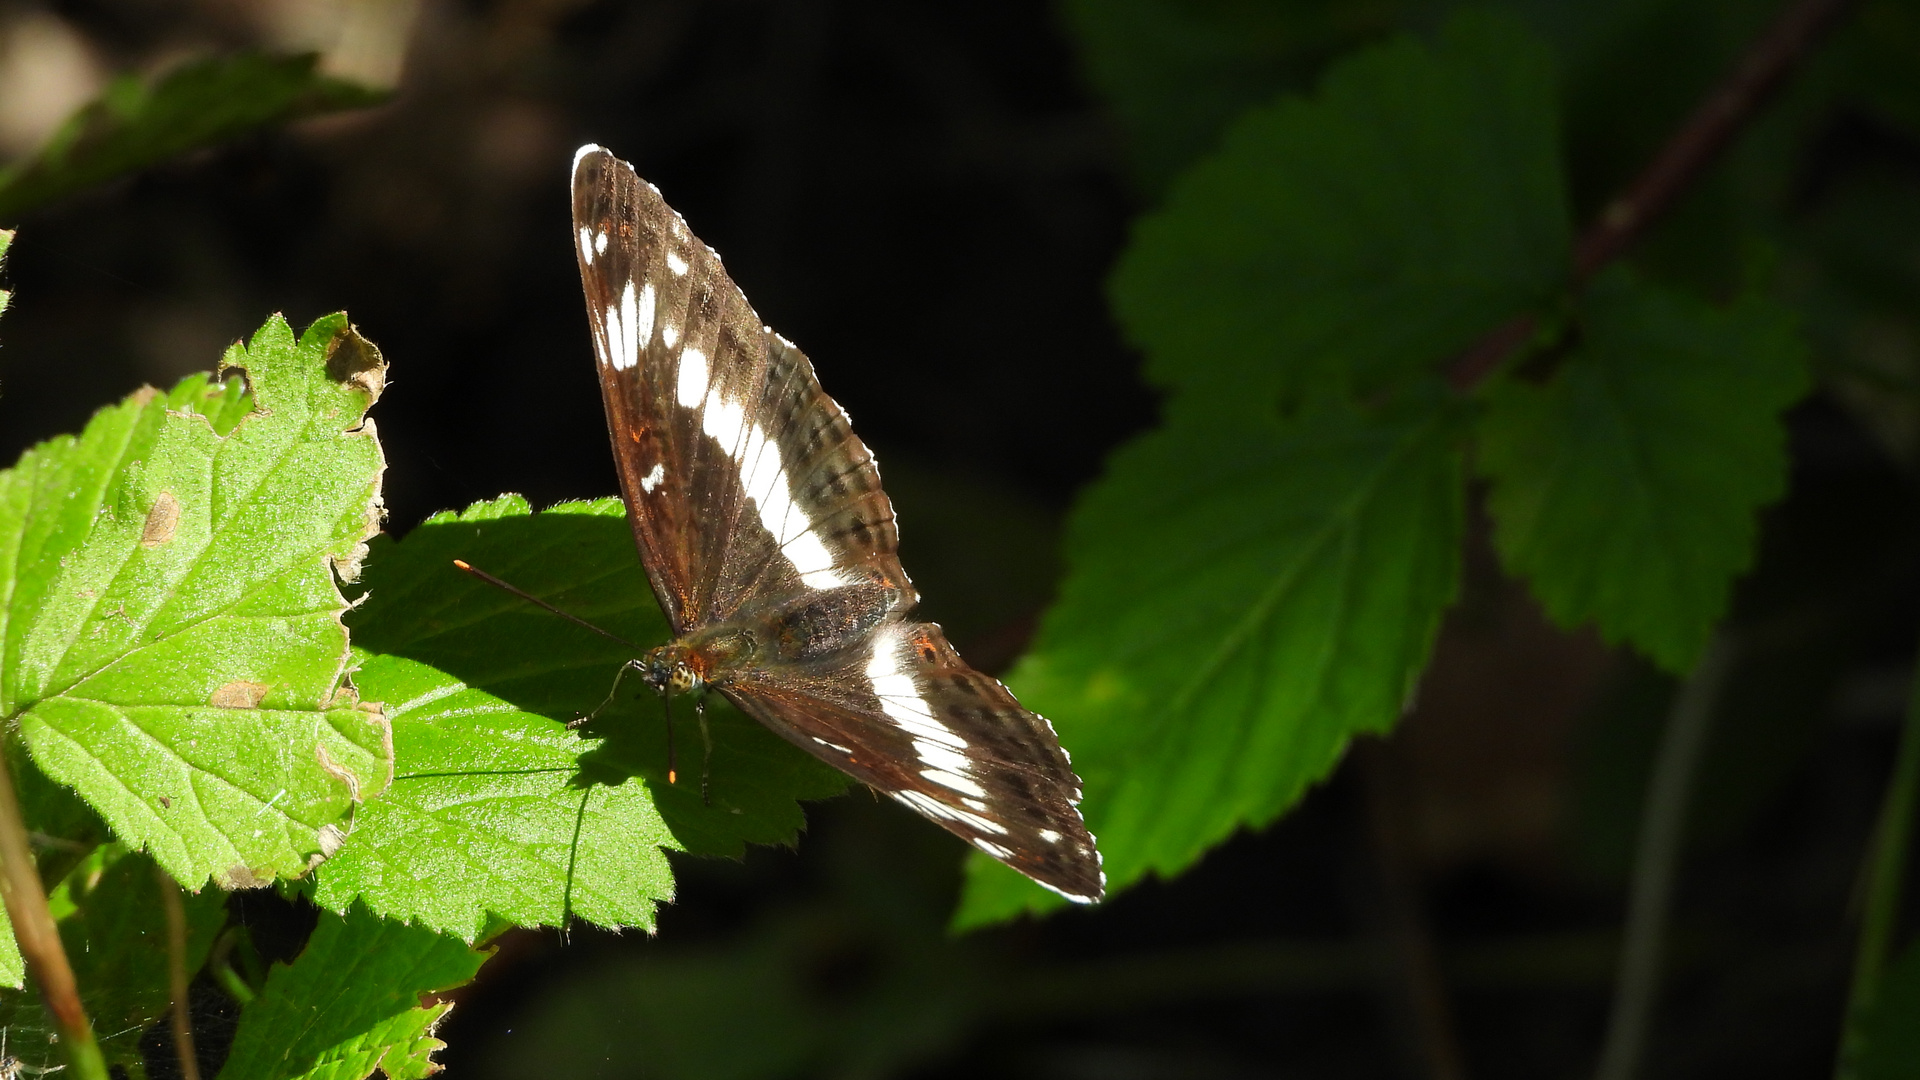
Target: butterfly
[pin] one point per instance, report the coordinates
(772, 548)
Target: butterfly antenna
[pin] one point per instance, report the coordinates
(539, 603)
(706, 752)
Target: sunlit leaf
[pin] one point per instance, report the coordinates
(351, 1003)
(171, 635)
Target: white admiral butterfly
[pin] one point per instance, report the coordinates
(771, 547)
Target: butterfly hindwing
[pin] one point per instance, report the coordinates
(906, 715)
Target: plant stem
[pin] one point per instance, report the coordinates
(177, 974)
(1886, 878)
(39, 936)
(1408, 937)
(1663, 826)
(1687, 153)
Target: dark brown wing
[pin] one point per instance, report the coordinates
(742, 479)
(903, 713)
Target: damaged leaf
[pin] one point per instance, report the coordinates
(170, 637)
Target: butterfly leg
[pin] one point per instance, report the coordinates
(631, 665)
(706, 753)
(666, 702)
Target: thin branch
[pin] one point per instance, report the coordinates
(39, 936)
(1711, 127)
(177, 974)
(1408, 936)
(1692, 148)
(1663, 827)
(1886, 878)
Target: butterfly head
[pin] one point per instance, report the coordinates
(668, 668)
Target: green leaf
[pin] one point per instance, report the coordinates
(1374, 231)
(1625, 489)
(1243, 596)
(132, 125)
(496, 807)
(1890, 1031)
(1176, 72)
(115, 935)
(170, 636)
(350, 1004)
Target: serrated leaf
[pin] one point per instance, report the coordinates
(133, 125)
(496, 807)
(115, 936)
(1242, 596)
(1370, 232)
(1889, 1046)
(350, 1004)
(1625, 489)
(173, 649)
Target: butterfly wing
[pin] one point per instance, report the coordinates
(742, 478)
(903, 713)
(750, 496)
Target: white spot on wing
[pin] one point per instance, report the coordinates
(643, 328)
(1049, 836)
(939, 757)
(725, 420)
(832, 745)
(921, 802)
(653, 478)
(669, 334)
(676, 264)
(600, 244)
(763, 478)
(586, 245)
(692, 388)
(992, 849)
(623, 349)
(939, 747)
(954, 781)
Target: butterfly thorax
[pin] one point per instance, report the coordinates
(807, 625)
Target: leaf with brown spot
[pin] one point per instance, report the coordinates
(171, 645)
(239, 694)
(161, 521)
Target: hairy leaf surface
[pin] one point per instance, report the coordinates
(351, 1003)
(170, 636)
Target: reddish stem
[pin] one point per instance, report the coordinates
(1680, 162)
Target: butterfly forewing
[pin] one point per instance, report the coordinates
(742, 478)
(758, 512)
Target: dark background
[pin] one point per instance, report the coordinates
(927, 197)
